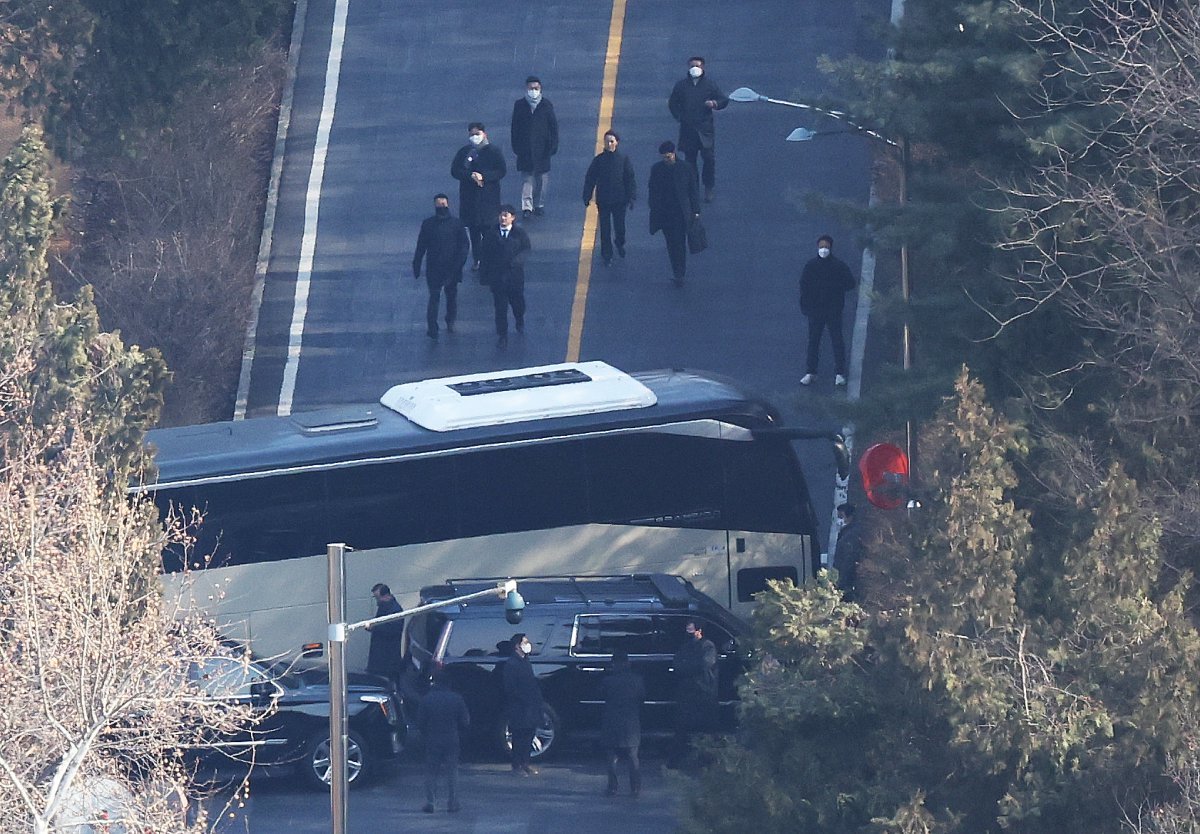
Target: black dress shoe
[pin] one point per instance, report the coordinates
(621, 249)
(502, 341)
(433, 334)
(449, 327)
(539, 211)
(475, 266)
(608, 261)
(527, 214)
(520, 325)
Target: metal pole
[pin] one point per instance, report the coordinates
(906, 292)
(338, 775)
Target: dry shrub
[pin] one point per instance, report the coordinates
(169, 237)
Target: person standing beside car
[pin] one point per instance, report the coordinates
(442, 718)
(383, 657)
(696, 706)
(523, 705)
(623, 692)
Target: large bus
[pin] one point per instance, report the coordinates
(573, 469)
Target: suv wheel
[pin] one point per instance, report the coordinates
(316, 767)
(544, 737)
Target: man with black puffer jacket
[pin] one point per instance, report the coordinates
(823, 286)
(610, 177)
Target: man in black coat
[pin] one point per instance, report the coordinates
(692, 103)
(674, 202)
(478, 167)
(534, 135)
(696, 704)
(443, 244)
(442, 717)
(383, 657)
(610, 177)
(623, 692)
(848, 552)
(504, 249)
(522, 703)
(823, 286)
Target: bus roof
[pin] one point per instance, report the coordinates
(370, 431)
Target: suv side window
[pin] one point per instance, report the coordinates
(673, 630)
(603, 635)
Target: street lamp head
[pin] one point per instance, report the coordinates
(801, 134)
(745, 94)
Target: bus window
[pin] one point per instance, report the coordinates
(751, 581)
(524, 488)
(656, 479)
(387, 504)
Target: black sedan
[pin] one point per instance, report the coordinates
(294, 732)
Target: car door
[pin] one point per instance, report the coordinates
(237, 681)
(595, 638)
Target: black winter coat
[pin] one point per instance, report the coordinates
(696, 673)
(534, 135)
(847, 556)
(522, 695)
(442, 717)
(502, 260)
(383, 657)
(479, 205)
(623, 691)
(610, 176)
(823, 287)
(673, 195)
(696, 128)
(443, 242)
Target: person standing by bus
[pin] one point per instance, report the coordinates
(383, 657)
(623, 692)
(443, 244)
(695, 690)
(522, 703)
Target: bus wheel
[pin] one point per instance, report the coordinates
(316, 767)
(544, 737)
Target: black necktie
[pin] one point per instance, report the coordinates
(504, 233)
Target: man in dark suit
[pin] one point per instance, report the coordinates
(610, 177)
(692, 103)
(478, 167)
(504, 249)
(442, 717)
(696, 704)
(522, 703)
(674, 202)
(383, 656)
(444, 246)
(623, 692)
(534, 135)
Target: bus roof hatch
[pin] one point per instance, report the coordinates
(514, 396)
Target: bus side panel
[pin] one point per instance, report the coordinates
(755, 558)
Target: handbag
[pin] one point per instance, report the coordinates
(697, 237)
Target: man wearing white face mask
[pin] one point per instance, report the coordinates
(534, 140)
(692, 103)
(478, 167)
(823, 286)
(522, 703)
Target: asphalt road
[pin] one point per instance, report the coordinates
(411, 76)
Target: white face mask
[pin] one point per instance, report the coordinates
(526, 647)
(477, 139)
(823, 251)
(695, 72)
(534, 96)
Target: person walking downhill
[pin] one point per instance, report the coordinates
(478, 167)
(848, 551)
(442, 718)
(823, 286)
(623, 692)
(610, 178)
(696, 703)
(674, 202)
(522, 704)
(504, 249)
(443, 244)
(534, 136)
(383, 656)
(693, 101)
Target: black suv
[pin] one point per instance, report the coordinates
(296, 732)
(574, 624)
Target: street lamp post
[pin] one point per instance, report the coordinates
(339, 630)
(801, 134)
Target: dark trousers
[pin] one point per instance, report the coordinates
(476, 233)
(709, 155)
(522, 746)
(630, 754)
(817, 324)
(436, 288)
(437, 764)
(676, 237)
(503, 297)
(612, 221)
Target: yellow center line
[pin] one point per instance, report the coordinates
(587, 245)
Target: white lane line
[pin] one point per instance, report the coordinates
(312, 207)
(268, 230)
